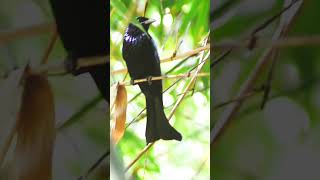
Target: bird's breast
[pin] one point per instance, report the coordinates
(135, 41)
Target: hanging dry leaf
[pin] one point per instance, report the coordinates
(119, 114)
(35, 131)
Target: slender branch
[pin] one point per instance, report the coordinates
(7, 143)
(172, 58)
(202, 165)
(53, 40)
(141, 153)
(95, 165)
(59, 67)
(269, 80)
(80, 113)
(199, 67)
(220, 58)
(313, 40)
(10, 35)
(237, 99)
(145, 8)
(157, 78)
(273, 18)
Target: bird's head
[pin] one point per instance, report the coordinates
(145, 22)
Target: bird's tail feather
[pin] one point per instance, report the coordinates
(158, 126)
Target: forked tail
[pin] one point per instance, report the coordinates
(158, 126)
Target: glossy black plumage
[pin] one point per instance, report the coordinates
(84, 31)
(142, 59)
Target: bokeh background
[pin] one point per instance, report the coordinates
(80, 111)
(282, 140)
(182, 22)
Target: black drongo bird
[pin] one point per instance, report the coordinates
(142, 59)
(84, 31)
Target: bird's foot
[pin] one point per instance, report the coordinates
(132, 82)
(149, 80)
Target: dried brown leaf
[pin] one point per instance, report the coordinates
(119, 114)
(35, 131)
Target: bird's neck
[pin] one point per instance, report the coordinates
(133, 30)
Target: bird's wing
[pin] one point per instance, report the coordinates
(156, 55)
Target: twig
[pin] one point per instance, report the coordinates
(60, 66)
(145, 149)
(169, 59)
(220, 58)
(269, 79)
(200, 168)
(174, 54)
(80, 113)
(50, 47)
(95, 165)
(273, 18)
(145, 8)
(7, 144)
(237, 99)
(201, 64)
(6, 36)
(157, 78)
(280, 43)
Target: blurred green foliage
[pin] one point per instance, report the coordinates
(77, 101)
(182, 21)
(281, 141)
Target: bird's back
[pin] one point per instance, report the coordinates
(83, 26)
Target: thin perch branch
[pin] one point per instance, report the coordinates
(157, 78)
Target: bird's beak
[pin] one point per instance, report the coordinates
(149, 21)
